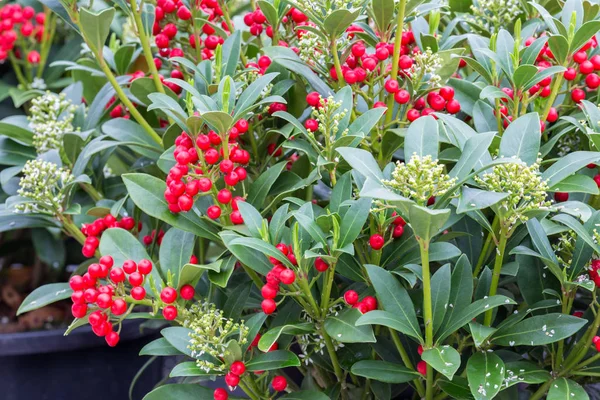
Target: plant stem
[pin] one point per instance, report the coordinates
(496, 273)
(550, 101)
(336, 63)
(339, 374)
(406, 360)
(146, 46)
(396, 57)
(427, 312)
(329, 275)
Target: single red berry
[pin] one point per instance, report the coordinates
(236, 218)
(596, 339)
(187, 292)
(391, 86)
(170, 313)
(447, 93)
(420, 349)
(311, 124)
(76, 283)
(129, 266)
(213, 212)
(580, 57)
(597, 180)
(107, 260)
(422, 367)
(287, 276)
(184, 13)
(238, 368)
(168, 295)
(104, 300)
(453, 106)
(561, 196)
(145, 266)
(33, 57)
(552, 115)
(118, 307)
(570, 74)
(268, 306)
(224, 196)
(79, 310)
(592, 81)
(97, 317)
(269, 291)
(220, 394)
(597, 345)
(577, 95)
(398, 231)
(313, 99)
(402, 96)
(586, 67)
(232, 379)
(370, 302)
(351, 297)
(321, 265)
(112, 339)
(436, 101)
(279, 383)
(138, 293)
(136, 279)
(413, 114)
(376, 241)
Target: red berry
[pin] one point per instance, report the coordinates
(220, 394)
(145, 266)
(376, 241)
(224, 196)
(351, 297)
(138, 293)
(184, 13)
(76, 283)
(129, 266)
(453, 106)
(279, 383)
(592, 81)
(570, 74)
(236, 218)
(398, 231)
(269, 291)
(33, 57)
(382, 53)
(370, 302)
(168, 295)
(170, 313)
(405, 62)
(552, 115)
(422, 367)
(402, 96)
(112, 339)
(79, 310)
(268, 306)
(187, 292)
(104, 300)
(561, 196)
(118, 307)
(136, 279)
(577, 95)
(586, 67)
(413, 114)
(213, 212)
(447, 93)
(436, 101)
(287, 276)
(420, 349)
(596, 339)
(161, 40)
(313, 99)
(232, 379)
(321, 265)
(238, 368)
(391, 86)
(311, 124)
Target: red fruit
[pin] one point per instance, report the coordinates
(236, 218)
(269, 291)
(104, 300)
(351, 297)
(118, 307)
(170, 313)
(420, 349)
(597, 345)
(88, 250)
(76, 283)
(596, 339)
(184, 13)
(204, 184)
(161, 40)
(391, 86)
(370, 302)
(185, 202)
(168, 295)
(79, 310)
(402, 96)
(33, 57)
(112, 339)
(561, 196)
(577, 95)
(382, 53)
(145, 266)
(447, 93)
(321, 265)
(405, 62)
(279, 383)
(138, 293)
(213, 212)
(187, 292)
(586, 67)
(129, 266)
(592, 81)
(597, 180)
(136, 279)
(238, 368)
(311, 124)
(220, 394)
(313, 99)
(90, 295)
(580, 57)
(570, 74)
(436, 101)
(232, 379)
(268, 306)
(453, 106)
(376, 241)
(422, 367)
(413, 114)
(398, 231)
(350, 77)
(117, 275)
(552, 115)
(358, 49)
(224, 196)
(211, 156)
(287, 276)
(362, 307)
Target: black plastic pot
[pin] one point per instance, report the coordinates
(46, 365)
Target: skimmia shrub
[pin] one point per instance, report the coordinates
(322, 199)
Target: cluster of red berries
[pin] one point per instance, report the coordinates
(22, 26)
(94, 230)
(421, 365)
(368, 303)
(200, 163)
(542, 89)
(437, 101)
(173, 17)
(377, 241)
(103, 289)
(279, 383)
(594, 272)
(278, 274)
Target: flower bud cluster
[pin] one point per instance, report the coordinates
(51, 116)
(327, 114)
(420, 179)
(44, 184)
(426, 64)
(525, 187)
(211, 333)
(494, 14)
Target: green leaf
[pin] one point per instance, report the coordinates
(525, 372)
(338, 21)
(422, 138)
(440, 288)
(187, 368)
(578, 228)
(563, 389)
(384, 371)
(522, 139)
(539, 330)
(312, 228)
(265, 248)
(16, 127)
(477, 199)
(252, 218)
(389, 320)
(457, 389)
(45, 295)
(125, 130)
(341, 192)
(559, 46)
(252, 93)
(523, 74)
(231, 50)
(362, 161)
(13, 153)
(273, 360)
(577, 183)
(179, 338)
(269, 11)
(568, 165)
(182, 391)
(354, 220)
(305, 395)
(142, 87)
(122, 245)
(480, 332)
(362, 125)
(248, 256)
(463, 316)
(485, 373)
(260, 188)
(159, 347)
(542, 74)
(461, 288)
(583, 34)
(445, 360)
(475, 148)
(191, 273)
(394, 299)
(426, 223)
(175, 251)
(383, 12)
(270, 337)
(342, 328)
(96, 27)
(147, 192)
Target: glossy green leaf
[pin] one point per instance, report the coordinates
(440, 289)
(342, 328)
(563, 388)
(270, 337)
(362, 161)
(354, 220)
(384, 371)
(187, 368)
(175, 251)
(273, 360)
(260, 188)
(522, 139)
(422, 138)
(485, 373)
(426, 223)
(444, 359)
(477, 199)
(539, 330)
(45, 295)
(96, 26)
(159, 347)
